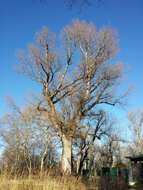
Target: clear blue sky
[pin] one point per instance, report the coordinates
(20, 19)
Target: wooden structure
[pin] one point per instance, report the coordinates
(135, 169)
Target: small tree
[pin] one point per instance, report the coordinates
(100, 154)
(136, 129)
(86, 138)
(28, 140)
(75, 80)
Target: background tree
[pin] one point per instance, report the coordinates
(86, 139)
(75, 81)
(103, 154)
(110, 151)
(29, 144)
(136, 129)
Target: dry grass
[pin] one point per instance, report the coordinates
(48, 183)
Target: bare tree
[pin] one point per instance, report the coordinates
(75, 80)
(18, 143)
(136, 129)
(27, 140)
(100, 154)
(86, 138)
(110, 151)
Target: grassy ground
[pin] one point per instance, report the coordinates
(48, 183)
(60, 183)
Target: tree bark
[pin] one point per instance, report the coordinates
(66, 155)
(78, 164)
(43, 160)
(82, 157)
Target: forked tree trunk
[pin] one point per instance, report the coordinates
(66, 155)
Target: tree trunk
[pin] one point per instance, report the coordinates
(78, 163)
(43, 160)
(66, 155)
(83, 157)
(41, 166)
(30, 169)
